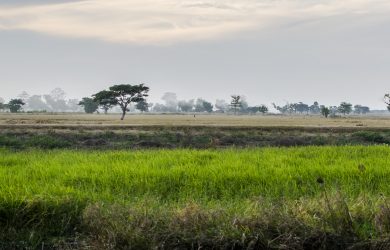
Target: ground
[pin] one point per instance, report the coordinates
(75, 181)
(198, 120)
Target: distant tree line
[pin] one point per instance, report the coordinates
(55, 101)
(131, 98)
(125, 98)
(237, 104)
(343, 108)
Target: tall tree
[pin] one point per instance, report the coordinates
(208, 107)
(123, 95)
(325, 111)
(359, 109)
(199, 105)
(345, 108)
(263, 109)
(90, 106)
(235, 103)
(203, 106)
(386, 99)
(301, 107)
(15, 105)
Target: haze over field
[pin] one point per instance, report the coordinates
(270, 51)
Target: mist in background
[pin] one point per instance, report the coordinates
(269, 51)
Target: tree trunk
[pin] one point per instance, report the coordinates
(123, 114)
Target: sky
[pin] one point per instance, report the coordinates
(267, 50)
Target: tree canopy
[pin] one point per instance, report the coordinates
(15, 105)
(90, 106)
(235, 103)
(345, 108)
(325, 111)
(186, 106)
(263, 109)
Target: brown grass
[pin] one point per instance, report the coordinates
(199, 120)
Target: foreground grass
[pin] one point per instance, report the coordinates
(305, 197)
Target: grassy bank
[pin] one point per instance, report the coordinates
(304, 197)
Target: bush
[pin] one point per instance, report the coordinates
(371, 137)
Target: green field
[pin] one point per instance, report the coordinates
(269, 197)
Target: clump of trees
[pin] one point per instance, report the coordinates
(237, 105)
(203, 106)
(359, 109)
(344, 108)
(55, 101)
(387, 101)
(263, 109)
(298, 108)
(325, 111)
(89, 105)
(186, 106)
(15, 105)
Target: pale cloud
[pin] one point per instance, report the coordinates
(172, 21)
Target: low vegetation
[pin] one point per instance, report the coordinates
(136, 137)
(210, 120)
(303, 198)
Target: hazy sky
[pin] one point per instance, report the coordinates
(267, 50)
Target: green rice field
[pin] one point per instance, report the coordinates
(304, 197)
